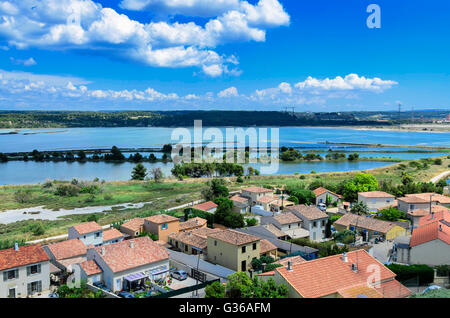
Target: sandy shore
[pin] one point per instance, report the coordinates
(426, 128)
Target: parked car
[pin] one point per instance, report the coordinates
(53, 295)
(125, 294)
(322, 207)
(179, 275)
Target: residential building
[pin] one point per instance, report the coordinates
(133, 228)
(347, 275)
(66, 253)
(411, 203)
(208, 206)
(240, 204)
(112, 236)
(369, 226)
(162, 225)
(127, 263)
(233, 249)
(429, 243)
(288, 223)
(193, 241)
(24, 271)
(90, 233)
(375, 199)
(416, 215)
(435, 198)
(256, 193)
(314, 220)
(90, 272)
(268, 249)
(322, 194)
(267, 201)
(193, 224)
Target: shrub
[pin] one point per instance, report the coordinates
(424, 274)
(251, 222)
(67, 190)
(23, 196)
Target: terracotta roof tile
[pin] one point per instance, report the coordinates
(327, 275)
(432, 228)
(88, 227)
(135, 224)
(266, 246)
(238, 198)
(413, 199)
(26, 255)
(205, 206)
(294, 260)
(196, 238)
(121, 256)
(111, 234)
(67, 249)
(192, 224)
(365, 223)
(274, 230)
(309, 212)
(267, 199)
(162, 218)
(234, 237)
(376, 194)
(257, 190)
(322, 190)
(286, 218)
(91, 268)
(360, 290)
(393, 289)
(442, 199)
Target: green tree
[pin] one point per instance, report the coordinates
(216, 188)
(360, 208)
(215, 290)
(362, 182)
(304, 196)
(391, 214)
(139, 172)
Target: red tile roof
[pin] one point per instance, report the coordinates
(26, 255)
(88, 227)
(393, 289)
(162, 218)
(91, 268)
(257, 190)
(413, 199)
(287, 218)
(205, 206)
(267, 199)
(135, 224)
(442, 199)
(192, 224)
(238, 198)
(111, 234)
(365, 223)
(67, 249)
(234, 237)
(309, 212)
(121, 256)
(376, 194)
(360, 290)
(266, 246)
(322, 190)
(432, 228)
(328, 275)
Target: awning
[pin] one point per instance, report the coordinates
(160, 272)
(135, 277)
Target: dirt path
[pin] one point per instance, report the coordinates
(440, 176)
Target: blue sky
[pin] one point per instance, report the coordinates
(223, 54)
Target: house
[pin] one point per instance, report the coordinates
(24, 271)
(267, 201)
(193, 224)
(375, 199)
(193, 241)
(256, 193)
(112, 236)
(162, 225)
(66, 253)
(208, 206)
(314, 220)
(416, 215)
(347, 275)
(233, 249)
(436, 198)
(240, 204)
(410, 203)
(133, 228)
(323, 194)
(90, 233)
(288, 223)
(280, 204)
(429, 243)
(127, 264)
(268, 249)
(90, 272)
(369, 226)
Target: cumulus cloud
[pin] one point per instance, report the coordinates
(229, 92)
(87, 25)
(349, 82)
(28, 62)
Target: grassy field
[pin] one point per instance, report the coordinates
(168, 194)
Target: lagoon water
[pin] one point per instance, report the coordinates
(19, 172)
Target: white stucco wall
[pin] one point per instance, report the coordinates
(434, 252)
(21, 283)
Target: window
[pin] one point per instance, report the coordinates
(411, 206)
(33, 269)
(97, 234)
(298, 224)
(323, 222)
(315, 224)
(34, 287)
(185, 248)
(84, 236)
(243, 249)
(12, 274)
(164, 226)
(254, 246)
(243, 266)
(215, 243)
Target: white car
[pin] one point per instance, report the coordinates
(322, 206)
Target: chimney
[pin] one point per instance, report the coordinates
(289, 267)
(196, 221)
(131, 244)
(355, 268)
(344, 257)
(103, 251)
(16, 246)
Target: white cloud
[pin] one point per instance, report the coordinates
(85, 24)
(28, 62)
(349, 82)
(229, 92)
(285, 87)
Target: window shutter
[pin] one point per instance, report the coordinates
(28, 270)
(39, 268)
(39, 286)
(29, 289)
(16, 274)
(5, 276)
